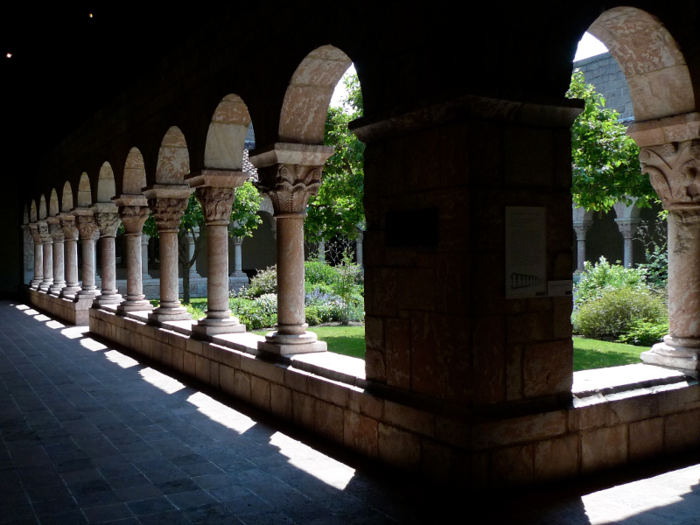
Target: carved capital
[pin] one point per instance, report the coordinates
(134, 217)
(70, 230)
(108, 223)
(581, 229)
(44, 233)
(673, 171)
(168, 211)
(56, 231)
(87, 227)
(216, 203)
(628, 227)
(34, 231)
(290, 185)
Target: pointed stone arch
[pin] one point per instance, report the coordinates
(67, 198)
(655, 69)
(306, 100)
(173, 158)
(42, 208)
(33, 215)
(84, 191)
(106, 188)
(226, 134)
(134, 173)
(53, 203)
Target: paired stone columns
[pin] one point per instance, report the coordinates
(89, 233)
(133, 211)
(70, 233)
(38, 257)
(59, 280)
(107, 218)
(215, 192)
(144, 255)
(289, 174)
(47, 245)
(673, 173)
(581, 228)
(168, 203)
(628, 229)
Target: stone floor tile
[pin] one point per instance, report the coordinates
(107, 513)
(190, 499)
(138, 492)
(150, 506)
(165, 518)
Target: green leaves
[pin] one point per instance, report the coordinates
(605, 159)
(244, 217)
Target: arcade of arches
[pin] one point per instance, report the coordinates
(460, 385)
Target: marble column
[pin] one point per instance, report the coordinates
(107, 218)
(672, 173)
(38, 257)
(59, 279)
(89, 233)
(190, 237)
(133, 211)
(289, 174)
(581, 228)
(628, 229)
(70, 232)
(28, 255)
(144, 256)
(168, 203)
(215, 192)
(358, 249)
(238, 257)
(47, 245)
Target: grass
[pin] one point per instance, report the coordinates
(347, 340)
(591, 353)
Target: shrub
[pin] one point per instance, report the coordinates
(265, 282)
(256, 313)
(603, 276)
(614, 312)
(644, 333)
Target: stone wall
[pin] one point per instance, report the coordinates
(605, 74)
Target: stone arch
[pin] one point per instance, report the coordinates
(84, 192)
(105, 184)
(227, 134)
(42, 208)
(656, 70)
(306, 100)
(67, 198)
(53, 203)
(33, 215)
(134, 173)
(173, 158)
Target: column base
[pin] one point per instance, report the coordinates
(134, 306)
(34, 284)
(103, 299)
(45, 286)
(69, 292)
(282, 344)
(673, 353)
(208, 327)
(162, 315)
(56, 288)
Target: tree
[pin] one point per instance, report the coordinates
(605, 159)
(338, 207)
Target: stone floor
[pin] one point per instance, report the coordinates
(92, 434)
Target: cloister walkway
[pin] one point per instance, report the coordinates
(92, 435)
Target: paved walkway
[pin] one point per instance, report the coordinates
(91, 435)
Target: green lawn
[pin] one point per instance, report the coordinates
(348, 340)
(591, 353)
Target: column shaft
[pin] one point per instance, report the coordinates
(290, 275)
(144, 255)
(38, 265)
(169, 285)
(72, 283)
(59, 281)
(88, 288)
(48, 267)
(237, 256)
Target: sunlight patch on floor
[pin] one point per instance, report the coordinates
(220, 413)
(162, 382)
(122, 360)
(93, 345)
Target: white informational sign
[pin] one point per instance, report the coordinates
(526, 252)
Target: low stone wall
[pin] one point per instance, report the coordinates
(71, 311)
(604, 425)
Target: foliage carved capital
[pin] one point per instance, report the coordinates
(87, 227)
(44, 233)
(56, 231)
(216, 203)
(167, 212)
(107, 223)
(70, 230)
(289, 186)
(134, 217)
(673, 171)
(34, 231)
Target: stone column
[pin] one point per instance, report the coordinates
(238, 257)
(581, 228)
(168, 203)
(133, 212)
(70, 232)
(628, 229)
(89, 233)
(190, 252)
(215, 192)
(144, 256)
(107, 218)
(289, 174)
(358, 249)
(322, 251)
(38, 257)
(672, 170)
(59, 279)
(28, 254)
(47, 245)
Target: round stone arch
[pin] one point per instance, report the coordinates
(84, 191)
(656, 71)
(42, 208)
(106, 186)
(226, 135)
(33, 213)
(67, 198)
(306, 101)
(134, 178)
(54, 208)
(173, 158)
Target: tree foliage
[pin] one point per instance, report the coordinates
(244, 215)
(605, 159)
(338, 207)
